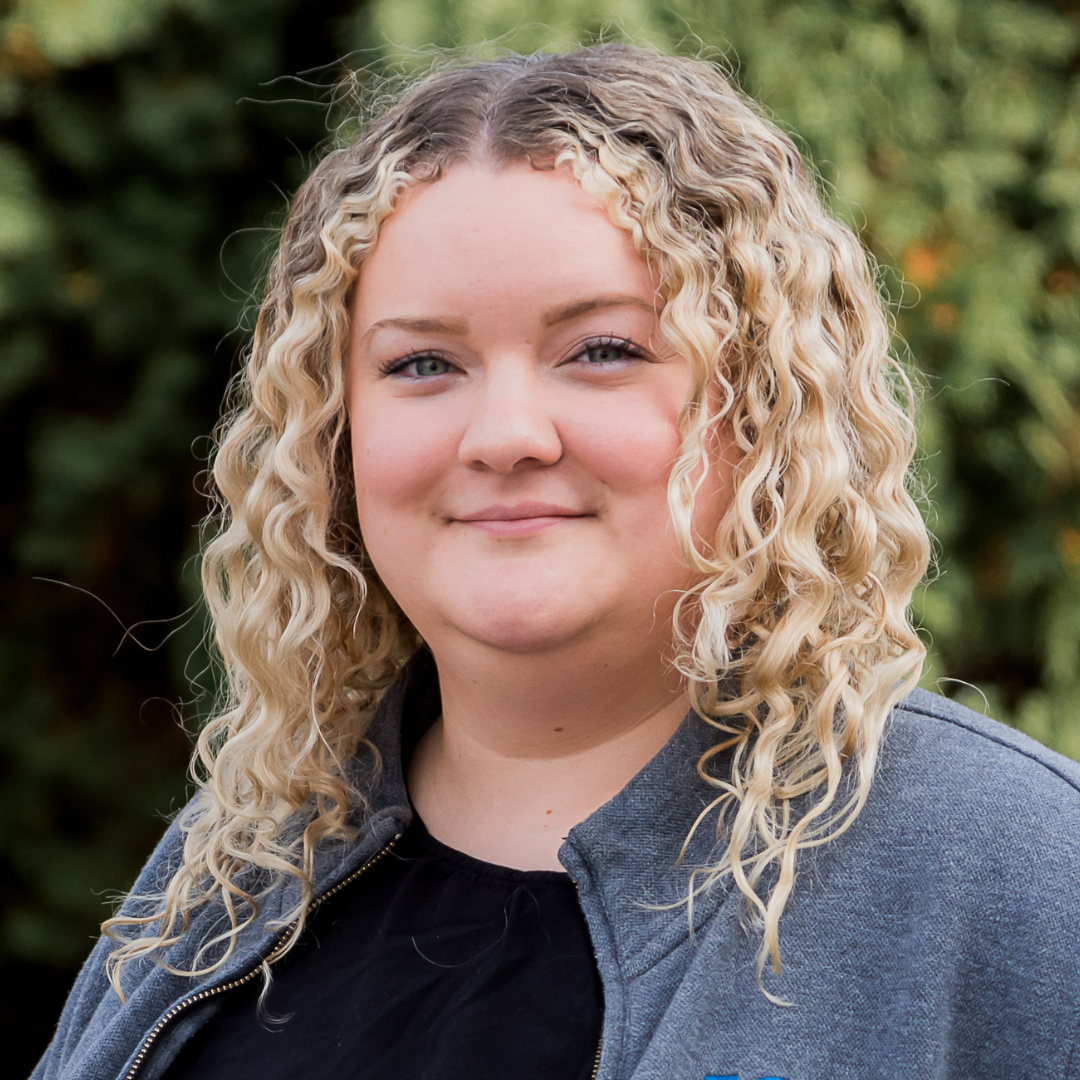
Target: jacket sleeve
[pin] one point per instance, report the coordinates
(93, 1003)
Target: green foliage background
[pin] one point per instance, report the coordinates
(145, 157)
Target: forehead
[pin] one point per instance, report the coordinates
(512, 230)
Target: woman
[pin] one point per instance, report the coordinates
(566, 386)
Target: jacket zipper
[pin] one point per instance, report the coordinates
(282, 940)
(600, 1046)
(596, 1063)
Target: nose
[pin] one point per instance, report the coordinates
(510, 424)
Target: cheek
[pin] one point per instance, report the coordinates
(630, 444)
(396, 465)
(632, 448)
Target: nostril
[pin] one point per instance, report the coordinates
(506, 436)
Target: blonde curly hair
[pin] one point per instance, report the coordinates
(796, 642)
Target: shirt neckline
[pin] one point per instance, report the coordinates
(436, 849)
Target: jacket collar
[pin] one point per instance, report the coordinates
(622, 857)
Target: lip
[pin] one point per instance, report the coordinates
(525, 519)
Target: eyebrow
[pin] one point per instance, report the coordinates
(421, 326)
(583, 307)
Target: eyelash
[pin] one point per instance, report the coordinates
(623, 345)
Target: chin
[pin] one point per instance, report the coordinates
(526, 620)
(525, 629)
(522, 640)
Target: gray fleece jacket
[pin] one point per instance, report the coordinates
(939, 937)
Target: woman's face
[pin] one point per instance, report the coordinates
(514, 417)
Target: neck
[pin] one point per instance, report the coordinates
(528, 745)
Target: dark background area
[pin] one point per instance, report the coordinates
(147, 150)
(152, 183)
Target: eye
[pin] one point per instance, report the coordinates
(424, 366)
(602, 354)
(429, 365)
(608, 351)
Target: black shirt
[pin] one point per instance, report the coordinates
(432, 965)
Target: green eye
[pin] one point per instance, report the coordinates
(431, 365)
(603, 354)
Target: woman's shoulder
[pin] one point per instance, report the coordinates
(974, 782)
(92, 1006)
(967, 852)
(98, 1032)
(933, 733)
